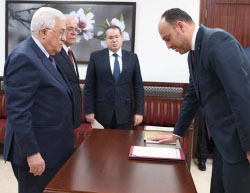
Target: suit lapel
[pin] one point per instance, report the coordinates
(58, 74)
(66, 57)
(196, 74)
(76, 65)
(190, 65)
(125, 62)
(65, 79)
(106, 64)
(191, 70)
(47, 64)
(197, 52)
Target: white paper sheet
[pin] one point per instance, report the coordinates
(97, 125)
(156, 128)
(154, 152)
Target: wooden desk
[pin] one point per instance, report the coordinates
(101, 165)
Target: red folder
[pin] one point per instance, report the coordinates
(132, 156)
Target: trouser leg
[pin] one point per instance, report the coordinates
(28, 183)
(216, 180)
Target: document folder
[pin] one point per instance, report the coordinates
(154, 153)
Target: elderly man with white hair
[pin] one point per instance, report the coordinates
(39, 133)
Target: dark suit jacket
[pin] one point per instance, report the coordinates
(65, 64)
(247, 50)
(220, 84)
(104, 97)
(39, 107)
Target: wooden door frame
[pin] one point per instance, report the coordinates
(203, 11)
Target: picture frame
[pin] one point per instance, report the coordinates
(97, 17)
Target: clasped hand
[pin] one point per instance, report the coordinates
(36, 164)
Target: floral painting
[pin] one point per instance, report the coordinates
(92, 20)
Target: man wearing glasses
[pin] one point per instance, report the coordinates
(66, 60)
(39, 133)
(113, 83)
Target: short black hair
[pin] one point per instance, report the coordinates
(112, 27)
(176, 14)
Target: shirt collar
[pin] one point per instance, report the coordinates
(39, 44)
(119, 52)
(66, 48)
(194, 37)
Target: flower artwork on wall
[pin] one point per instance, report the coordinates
(92, 19)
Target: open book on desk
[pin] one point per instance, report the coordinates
(154, 153)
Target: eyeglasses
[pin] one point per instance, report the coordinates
(76, 30)
(62, 33)
(113, 37)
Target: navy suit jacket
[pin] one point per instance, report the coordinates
(220, 84)
(39, 108)
(247, 50)
(104, 97)
(65, 64)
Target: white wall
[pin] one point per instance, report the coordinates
(2, 36)
(156, 61)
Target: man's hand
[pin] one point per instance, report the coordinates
(36, 164)
(248, 156)
(90, 118)
(165, 138)
(137, 119)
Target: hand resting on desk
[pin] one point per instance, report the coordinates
(164, 138)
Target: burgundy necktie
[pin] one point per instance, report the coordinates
(192, 60)
(70, 54)
(192, 57)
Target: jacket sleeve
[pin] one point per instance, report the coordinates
(89, 88)
(189, 108)
(138, 89)
(21, 79)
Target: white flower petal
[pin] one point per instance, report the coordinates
(90, 15)
(103, 44)
(99, 33)
(117, 22)
(108, 22)
(125, 36)
(78, 39)
(73, 14)
(88, 35)
(80, 12)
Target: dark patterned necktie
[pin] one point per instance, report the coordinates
(192, 60)
(70, 54)
(192, 57)
(116, 72)
(52, 60)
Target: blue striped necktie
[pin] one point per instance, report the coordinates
(116, 72)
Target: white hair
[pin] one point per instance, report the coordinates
(45, 17)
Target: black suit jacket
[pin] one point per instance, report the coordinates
(220, 84)
(65, 64)
(104, 97)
